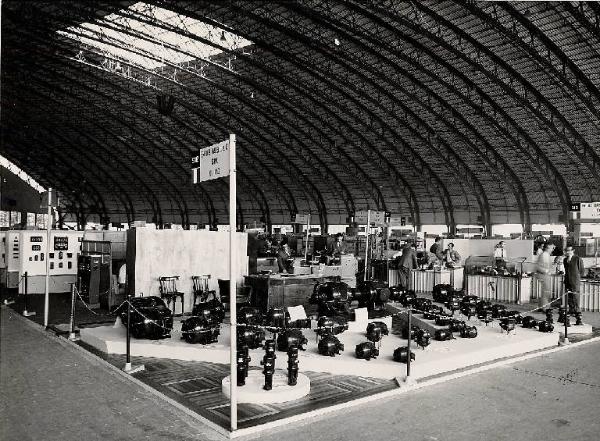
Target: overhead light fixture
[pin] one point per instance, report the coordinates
(336, 41)
(223, 38)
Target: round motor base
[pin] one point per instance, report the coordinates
(253, 392)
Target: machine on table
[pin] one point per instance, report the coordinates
(280, 290)
(507, 283)
(425, 280)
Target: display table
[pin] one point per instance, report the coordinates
(424, 280)
(499, 288)
(589, 295)
(281, 291)
(266, 264)
(557, 286)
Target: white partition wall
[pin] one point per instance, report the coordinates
(184, 253)
(485, 247)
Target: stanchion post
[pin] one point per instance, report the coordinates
(128, 338)
(368, 230)
(72, 335)
(26, 312)
(409, 341)
(47, 278)
(566, 306)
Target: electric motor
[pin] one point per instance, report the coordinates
(508, 324)
(330, 345)
(457, 325)
(290, 338)
(249, 316)
(199, 330)
(366, 350)
(545, 326)
(423, 338)
(401, 354)
(441, 292)
(443, 334)
(468, 332)
(407, 298)
(498, 310)
(250, 336)
(275, 318)
(529, 322)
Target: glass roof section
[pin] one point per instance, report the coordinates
(152, 37)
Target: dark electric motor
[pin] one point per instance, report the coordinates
(443, 334)
(150, 318)
(291, 338)
(331, 325)
(366, 351)
(372, 295)
(241, 367)
(468, 332)
(430, 312)
(250, 316)
(293, 365)
(423, 338)
(469, 310)
(529, 322)
(275, 318)
(470, 300)
(454, 300)
(413, 332)
(443, 320)
(498, 310)
(212, 308)
(508, 324)
(549, 315)
(545, 326)
(562, 312)
(401, 354)
(397, 293)
(407, 297)
(379, 328)
(330, 345)
(483, 305)
(578, 319)
(201, 330)
(332, 298)
(516, 315)
(268, 363)
(251, 336)
(441, 292)
(457, 325)
(420, 303)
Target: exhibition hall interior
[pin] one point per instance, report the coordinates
(267, 219)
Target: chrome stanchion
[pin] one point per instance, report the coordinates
(128, 366)
(72, 335)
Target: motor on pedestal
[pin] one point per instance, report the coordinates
(291, 338)
(330, 345)
(293, 365)
(251, 336)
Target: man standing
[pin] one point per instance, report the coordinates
(574, 270)
(451, 257)
(544, 268)
(407, 262)
(437, 250)
(500, 255)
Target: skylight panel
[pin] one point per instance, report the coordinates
(153, 37)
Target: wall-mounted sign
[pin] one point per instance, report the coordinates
(576, 206)
(302, 219)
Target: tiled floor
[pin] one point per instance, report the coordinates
(197, 386)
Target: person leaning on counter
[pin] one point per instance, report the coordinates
(338, 247)
(451, 256)
(284, 255)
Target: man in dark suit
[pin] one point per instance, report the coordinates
(407, 261)
(574, 270)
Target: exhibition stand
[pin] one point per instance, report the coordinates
(508, 289)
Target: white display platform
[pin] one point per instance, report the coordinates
(253, 392)
(439, 357)
(573, 329)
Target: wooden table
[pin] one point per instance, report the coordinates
(281, 290)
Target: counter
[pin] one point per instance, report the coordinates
(424, 280)
(280, 290)
(499, 288)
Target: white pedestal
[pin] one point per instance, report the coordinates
(573, 329)
(253, 392)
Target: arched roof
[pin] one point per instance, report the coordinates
(442, 111)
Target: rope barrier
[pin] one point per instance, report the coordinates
(94, 312)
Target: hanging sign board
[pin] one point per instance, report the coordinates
(302, 219)
(575, 206)
(360, 217)
(378, 217)
(211, 163)
(4, 219)
(590, 210)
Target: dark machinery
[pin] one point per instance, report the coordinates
(376, 331)
(443, 335)
(291, 338)
(243, 359)
(373, 296)
(470, 300)
(516, 315)
(401, 354)
(330, 345)
(545, 326)
(275, 318)
(150, 318)
(457, 325)
(331, 298)
(441, 292)
(199, 329)
(423, 338)
(508, 324)
(213, 310)
(250, 316)
(469, 310)
(498, 310)
(453, 301)
(430, 312)
(293, 365)
(251, 336)
(443, 320)
(332, 325)
(562, 313)
(529, 322)
(366, 351)
(413, 332)
(549, 315)
(420, 303)
(468, 332)
(407, 298)
(397, 293)
(268, 364)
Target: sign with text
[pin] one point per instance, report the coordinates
(211, 163)
(590, 210)
(302, 219)
(378, 217)
(575, 206)
(360, 217)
